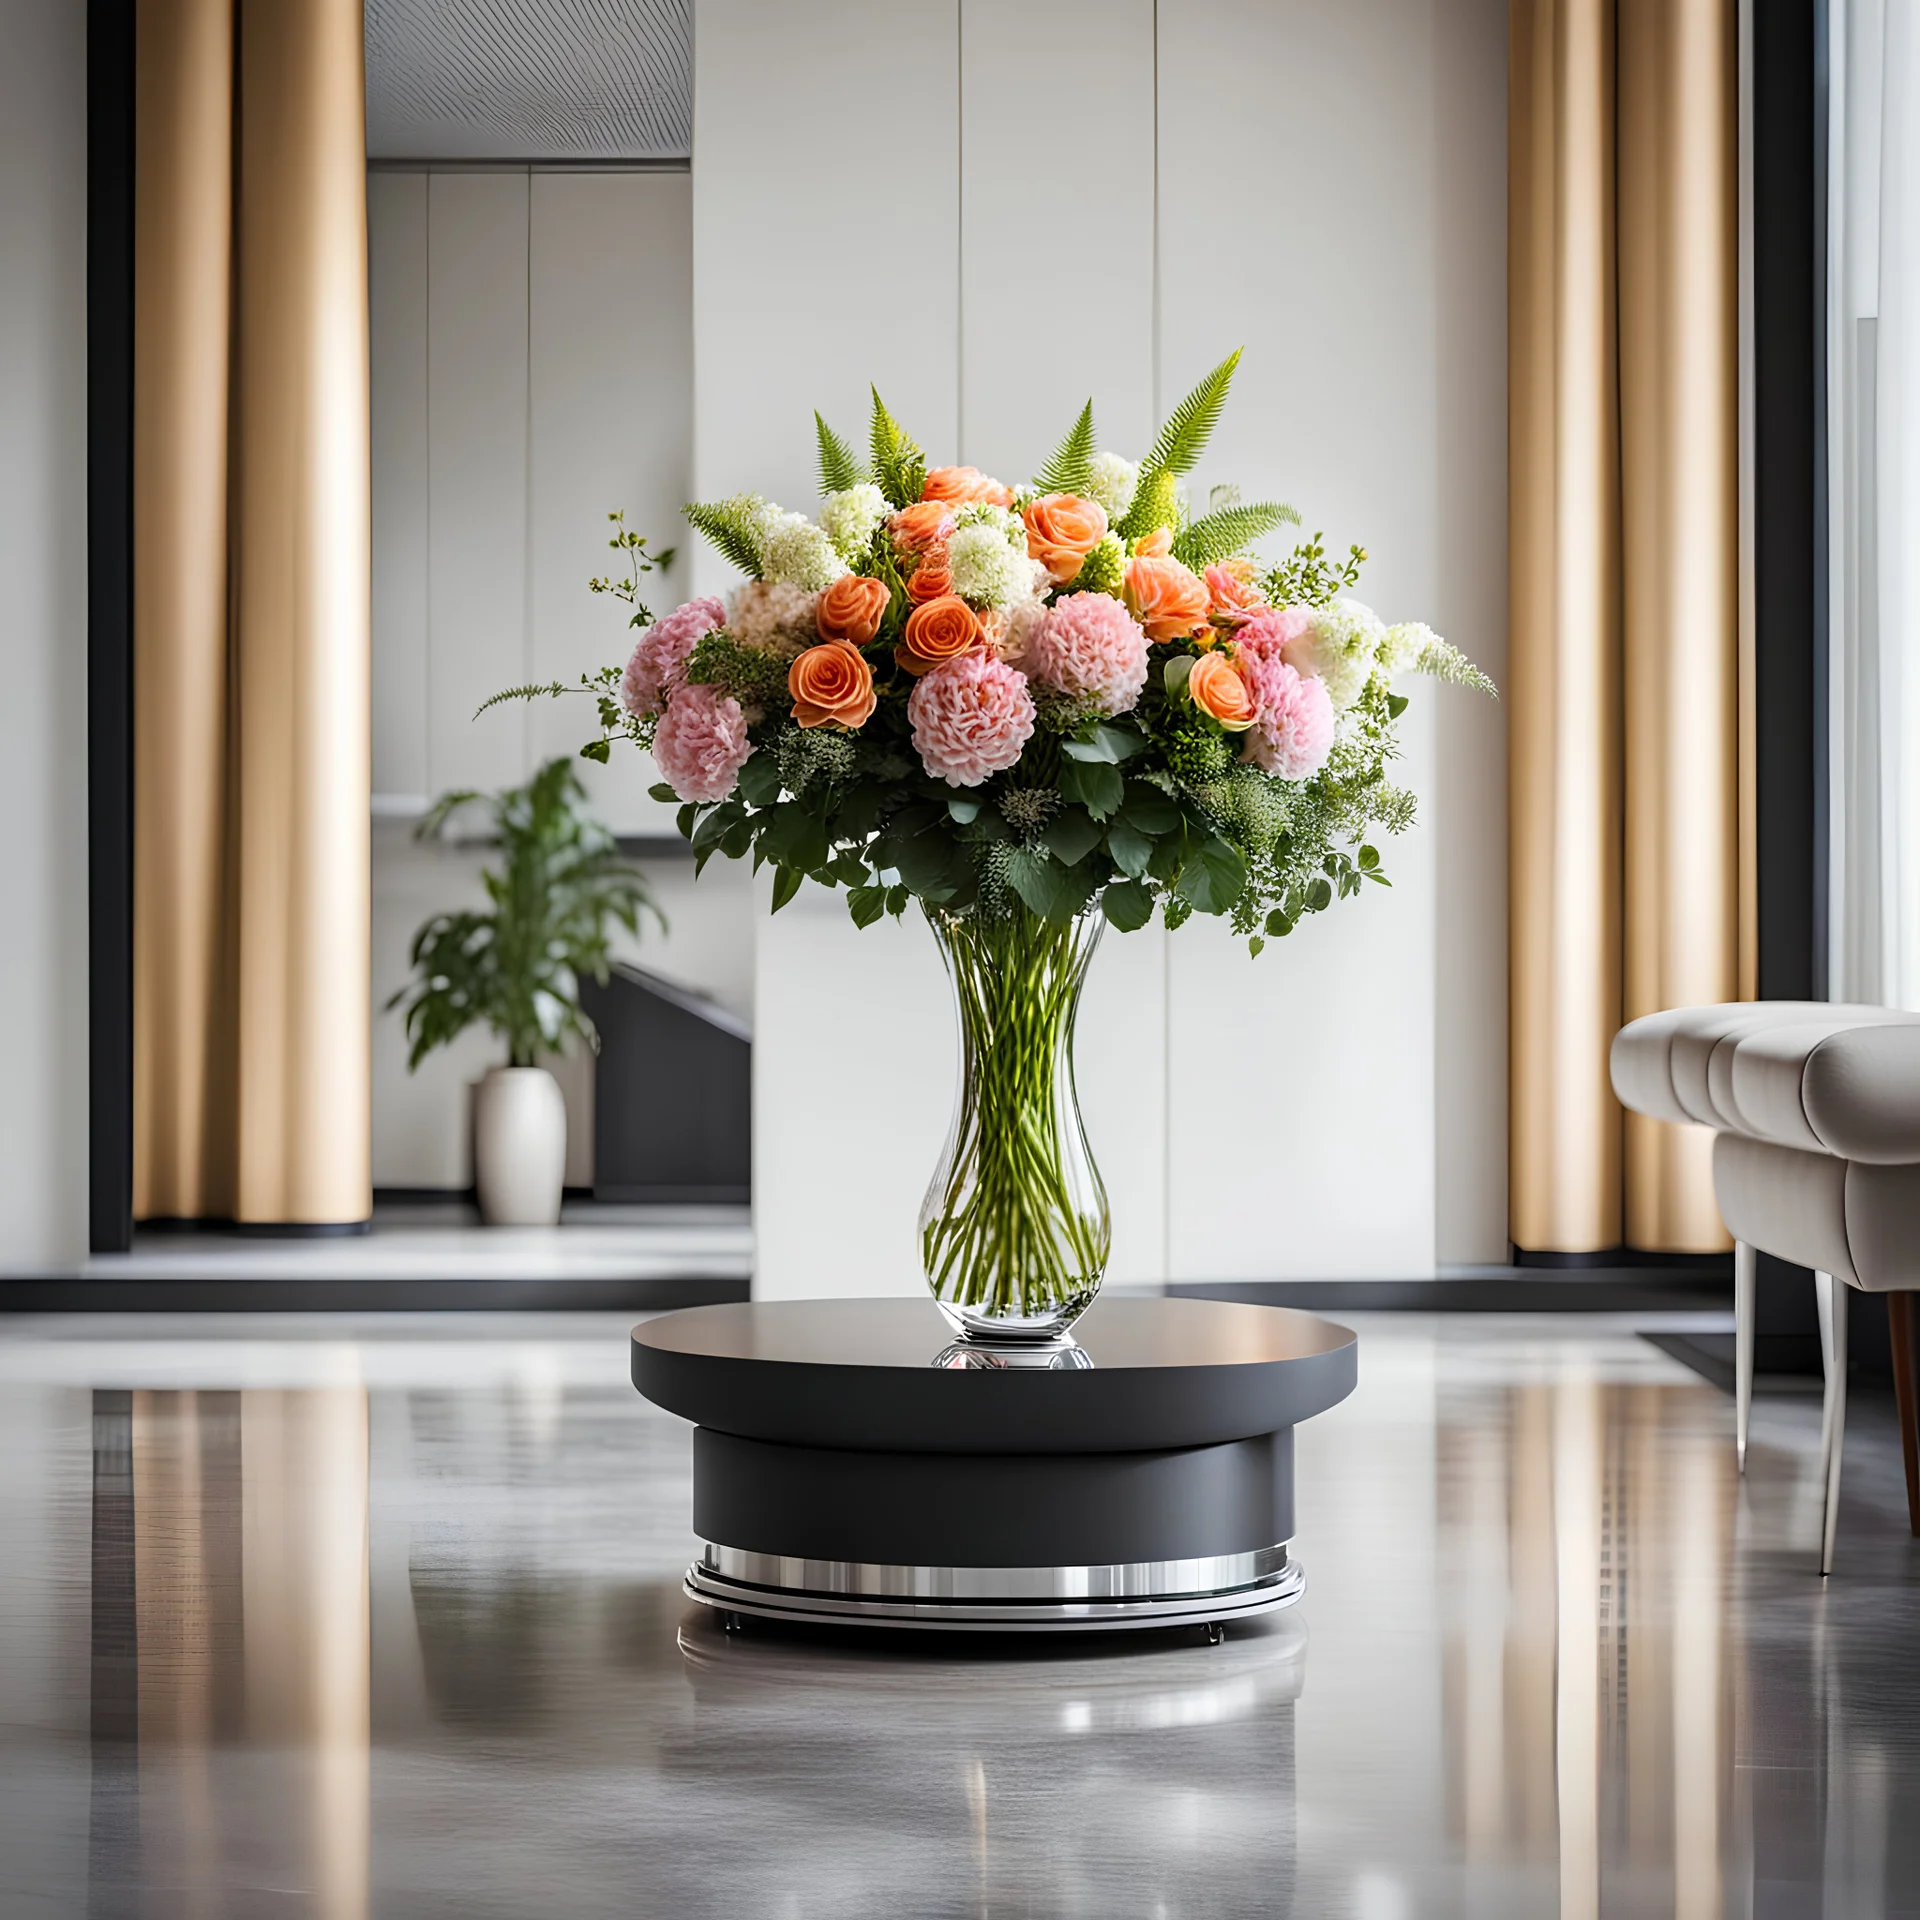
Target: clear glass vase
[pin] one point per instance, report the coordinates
(1014, 1229)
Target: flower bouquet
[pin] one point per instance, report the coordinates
(1036, 711)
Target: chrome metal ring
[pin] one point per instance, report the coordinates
(1018, 1599)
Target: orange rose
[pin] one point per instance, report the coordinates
(924, 524)
(852, 609)
(1169, 600)
(1217, 688)
(942, 630)
(1155, 545)
(832, 686)
(959, 485)
(931, 578)
(1062, 529)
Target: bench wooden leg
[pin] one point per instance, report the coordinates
(1903, 1327)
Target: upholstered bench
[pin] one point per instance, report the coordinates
(1817, 1161)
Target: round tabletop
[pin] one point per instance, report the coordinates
(863, 1374)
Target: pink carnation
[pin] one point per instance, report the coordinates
(1267, 632)
(1292, 732)
(702, 743)
(971, 717)
(661, 657)
(1091, 647)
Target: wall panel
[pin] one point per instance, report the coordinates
(611, 411)
(798, 305)
(1325, 273)
(1021, 384)
(476, 475)
(397, 244)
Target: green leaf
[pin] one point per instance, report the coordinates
(794, 836)
(858, 813)
(1279, 923)
(963, 808)
(866, 904)
(897, 898)
(600, 750)
(1230, 530)
(1127, 904)
(1256, 946)
(662, 792)
(1072, 835)
(1212, 879)
(1369, 859)
(849, 869)
(786, 883)
(708, 833)
(1096, 784)
(1396, 705)
(1070, 467)
(1176, 673)
(1320, 896)
(1111, 745)
(737, 838)
(760, 780)
(839, 470)
(1052, 891)
(684, 819)
(1148, 809)
(1130, 848)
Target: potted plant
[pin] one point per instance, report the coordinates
(559, 890)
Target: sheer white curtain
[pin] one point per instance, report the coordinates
(1873, 316)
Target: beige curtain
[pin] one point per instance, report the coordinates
(1626, 684)
(251, 613)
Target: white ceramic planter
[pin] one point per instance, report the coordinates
(519, 1147)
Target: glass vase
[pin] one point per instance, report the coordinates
(1014, 1229)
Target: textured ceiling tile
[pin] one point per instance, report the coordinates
(529, 79)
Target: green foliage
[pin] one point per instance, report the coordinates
(899, 467)
(733, 527)
(1306, 578)
(839, 470)
(1220, 534)
(1178, 446)
(625, 585)
(1439, 661)
(1069, 468)
(749, 674)
(1156, 503)
(534, 690)
(553, 900)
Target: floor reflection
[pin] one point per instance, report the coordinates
(390, 1623)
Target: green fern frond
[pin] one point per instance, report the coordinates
(839, 470)
(1180, 443)
(730, 525)
(1221, 534)
(549, 689)
(899, 466)
(1070, 468)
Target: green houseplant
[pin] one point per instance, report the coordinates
(554, 898)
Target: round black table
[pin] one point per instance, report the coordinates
(852, 1464)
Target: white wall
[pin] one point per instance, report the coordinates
(43, 635)
(1352, 240)
(532, 353)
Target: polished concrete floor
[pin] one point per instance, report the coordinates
(348, 1618)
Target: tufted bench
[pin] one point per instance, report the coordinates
(1816, 1108)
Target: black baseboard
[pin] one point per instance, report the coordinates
(365, 1296)
(263, 1229)
(1514, 1290)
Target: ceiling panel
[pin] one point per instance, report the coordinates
(529, 79)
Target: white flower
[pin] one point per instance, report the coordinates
(849, 518)
(1113, 483)
(1342, 644)
(794, 551)
(986, 567)
(1404, 646)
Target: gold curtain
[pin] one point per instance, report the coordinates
(251, 613)
(1624, 672)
